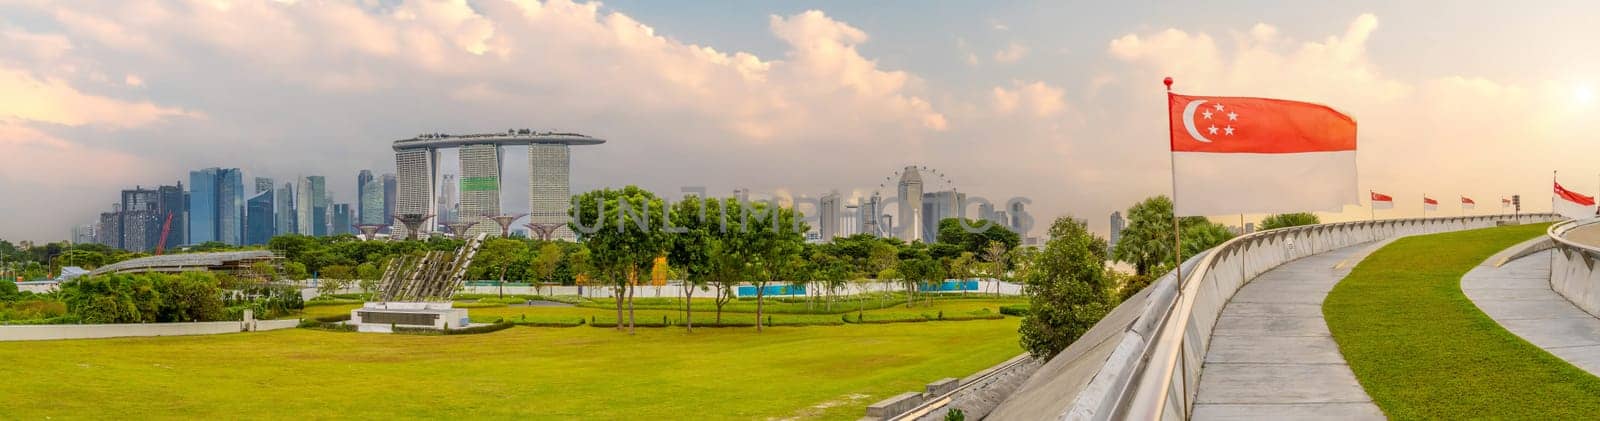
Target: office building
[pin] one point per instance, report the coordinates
(362, 179)
(311, 203)
(342, 222)
(446, 208)
(1116, 229)
(1021, 222)
(869, 218)
(83, 234)
(910, 190)
(370, 203)
(390, 185)
(140, 224)
(480, 188)
(828, 226)
(936, 207)
(216, 206)
(109, 230)
(260, 216)
(174, 203)
(262, 184)
(284, 210)
(549, 161)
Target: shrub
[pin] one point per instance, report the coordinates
(1015, 310)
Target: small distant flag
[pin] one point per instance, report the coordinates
(1505, 202)
(1573, 205)
(1382, 201)
(1428, 204)
(1467, 203)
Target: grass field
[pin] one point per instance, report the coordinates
(820, 372)
(1422, 350)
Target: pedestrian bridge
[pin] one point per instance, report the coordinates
(1242, 334)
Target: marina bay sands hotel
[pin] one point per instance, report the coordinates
(549, 189)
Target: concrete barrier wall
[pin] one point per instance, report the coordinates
(54, 332)
(1573, 271)
(1143, 362)
(675, 291)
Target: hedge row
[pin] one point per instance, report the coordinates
(1019, 310)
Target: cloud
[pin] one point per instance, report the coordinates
(1011, 54)
(56, 102)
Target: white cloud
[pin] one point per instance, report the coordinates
(1012, 53)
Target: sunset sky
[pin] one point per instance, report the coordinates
(1058, 102)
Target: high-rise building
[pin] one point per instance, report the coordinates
(311, 206)
(83, 233)
(173, 203)
(389, 187)
(1116, 229)
(259, 217)
(936, 207)
(742, 195)
(1020, 220)
(371, 203)
(550, 197)
(230, 206)
(203, 205)
(140, 226)
(910, 190)
(109, 230)
(446, 208)
(828, 226)
(362, 179)
(480, 188)
(870, 215)
(216, 206)
(341, 219)
(284, 210)
(262, 184)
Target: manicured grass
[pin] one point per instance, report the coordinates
(820, 372)
(1421, 349)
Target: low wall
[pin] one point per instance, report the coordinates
(1143, 360)
(56, 332)
(1573, 271)
(676, 291)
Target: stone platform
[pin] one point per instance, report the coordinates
(382, 317)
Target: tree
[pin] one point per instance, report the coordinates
(295, 270)
(1285, 220)
(1068, 293)
(1147, 241)
(994, 257)
(369, 275)
(545, 263)
(883, 256)
(625, 231)
(768, 239)
(335, 278)
(952, 232)
(918, 270)
(697, 250)
(962, 267)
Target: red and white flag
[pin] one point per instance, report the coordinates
(1573, 205)
(1467, 203)
(1257, 155)
(1428, 204)
(1505, 202)
(1382, 201)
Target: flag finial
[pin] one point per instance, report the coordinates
(1168, 82)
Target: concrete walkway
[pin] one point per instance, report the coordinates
(1271, 354)
(1518, 296)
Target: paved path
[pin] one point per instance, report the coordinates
(1271, 354)
(1585, 234)
(1518, 296)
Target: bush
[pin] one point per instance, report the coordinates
(145, 297)
(32, 309)
(330, 326)
(463, 331)
(477, 305)
(1019, 310)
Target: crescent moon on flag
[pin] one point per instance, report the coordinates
(1188, 120)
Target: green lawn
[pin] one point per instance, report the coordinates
(1421, 349)
(820, 372)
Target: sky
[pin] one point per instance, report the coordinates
(1058, 102)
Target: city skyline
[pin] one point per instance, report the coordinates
(1002, 101)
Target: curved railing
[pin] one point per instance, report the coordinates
(1572, 269)
(1143, 363)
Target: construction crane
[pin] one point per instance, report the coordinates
(166, 227)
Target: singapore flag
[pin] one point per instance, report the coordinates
(1257, 155)
(1573, 205)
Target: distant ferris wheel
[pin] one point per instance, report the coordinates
(933, 180)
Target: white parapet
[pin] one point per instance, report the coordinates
(385, 316)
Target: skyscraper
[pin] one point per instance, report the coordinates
(109, 230)
(341, 219)
(828, 226)
(173, 202)
(371, 203)
(362, 179)
(1116, 229)
(203, 202)
(83, 233)
(936, 207)
(259, 217)
(284, 210)
(140, 226)
(549, 198)
(389, 186)
(1020, 220)
(262, 184)
(216, 206)
(311, 206)
(446, 208)
(871, 215)
(910, 205)
(480, 188)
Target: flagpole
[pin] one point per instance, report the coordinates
(1177, 242)
(1372, 207)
